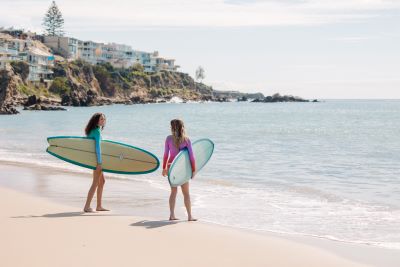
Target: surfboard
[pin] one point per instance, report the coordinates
(180, 171)
(117, 157)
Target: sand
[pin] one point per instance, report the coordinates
(39, 232)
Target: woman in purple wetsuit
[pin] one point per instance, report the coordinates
(93, 130)
(173, 144)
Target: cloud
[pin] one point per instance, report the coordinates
(123, 14)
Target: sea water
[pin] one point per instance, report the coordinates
(328, 169)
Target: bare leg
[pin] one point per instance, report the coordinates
(188, 205)
(92, 190)
(100, 187)
(172, 200)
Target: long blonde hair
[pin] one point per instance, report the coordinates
(178, 132)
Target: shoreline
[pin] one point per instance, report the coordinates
(84, 174)
(356, 252)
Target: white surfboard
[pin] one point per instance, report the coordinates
(180, 171)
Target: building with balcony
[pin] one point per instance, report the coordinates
(65, 46)
(7, 54)
(40, 63)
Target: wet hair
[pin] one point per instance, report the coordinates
(178, 132)
(93, 122)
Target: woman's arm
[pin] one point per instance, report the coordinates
(191, 157)
(97, 140)
(166, 154)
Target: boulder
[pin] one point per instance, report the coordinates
(43, 107)
(8, 110)
(32, 100)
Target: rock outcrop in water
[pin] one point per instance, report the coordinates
(35, 103)
(227, 96)
(281, 98)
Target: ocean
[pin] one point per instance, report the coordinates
(328, 169)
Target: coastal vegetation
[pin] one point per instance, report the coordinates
(200, 74)
(53, 21)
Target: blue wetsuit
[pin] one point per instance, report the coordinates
(96, 135)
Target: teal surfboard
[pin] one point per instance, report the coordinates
(180, 171)
(117, 157)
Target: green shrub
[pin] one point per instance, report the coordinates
(60, 86)
(140, 74)
(24, 89)
(137, 67)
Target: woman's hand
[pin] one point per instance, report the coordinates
(164, 172)
(193, 174)
(98, 167)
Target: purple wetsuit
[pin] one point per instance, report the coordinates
(171, 151)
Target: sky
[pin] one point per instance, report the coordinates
(307, 48)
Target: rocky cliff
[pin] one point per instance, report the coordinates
(10, 95)
(78, 83)
(81, 84)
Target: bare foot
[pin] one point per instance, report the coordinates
(173, 218)
(191, 219)
(88, 210)
(101, 209)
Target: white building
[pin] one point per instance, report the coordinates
(152, 62)
(143, 58)
(166, 64)
(118, 55)
(66, 46)
(90, 52)
(9, 49)
(40, 63)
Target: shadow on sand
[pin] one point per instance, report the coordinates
(154, 224)
(64, 215)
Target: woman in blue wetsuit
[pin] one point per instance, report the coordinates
(93, 130)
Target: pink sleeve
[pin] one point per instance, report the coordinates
(191, 155)
(166, 153)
